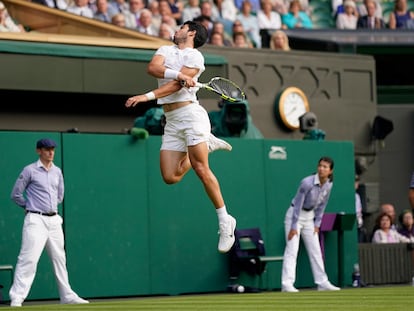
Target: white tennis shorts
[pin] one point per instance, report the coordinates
(186, 126)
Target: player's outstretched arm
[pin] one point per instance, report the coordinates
(164, 90)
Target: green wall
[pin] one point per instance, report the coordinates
(128, 234)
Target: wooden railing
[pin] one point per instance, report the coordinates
(40, 19)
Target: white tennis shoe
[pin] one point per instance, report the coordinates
(226, 232)
(215, 143)
(327, 287)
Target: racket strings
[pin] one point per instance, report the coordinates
(227, 88)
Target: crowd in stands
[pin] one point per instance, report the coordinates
(242, 23)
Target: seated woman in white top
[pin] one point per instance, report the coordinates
(385, 234)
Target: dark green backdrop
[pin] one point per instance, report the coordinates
(128, 234)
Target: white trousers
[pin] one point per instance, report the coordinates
(40, 232)
(306, 230)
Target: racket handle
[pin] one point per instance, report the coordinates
(198, 84)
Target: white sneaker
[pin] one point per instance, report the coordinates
(289, 289)
(226, 232)
(327, 287)
(75, 301)
(215, 143)
(15, 303)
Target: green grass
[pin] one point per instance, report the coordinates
(355, 299)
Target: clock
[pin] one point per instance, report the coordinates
(290, 105)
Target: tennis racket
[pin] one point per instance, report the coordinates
(228, 90)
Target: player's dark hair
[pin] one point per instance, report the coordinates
(201, 35)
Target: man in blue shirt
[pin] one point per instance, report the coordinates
(39, 189)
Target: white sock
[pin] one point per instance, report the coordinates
(222, 213)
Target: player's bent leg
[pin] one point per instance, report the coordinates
(174, 165)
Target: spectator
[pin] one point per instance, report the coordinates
(250, 23)
(166, 14)
(177, 7)
(267, 18)
(296, 17)
(166, 32)
(118, 19)
(303, 219)
(54, 4)
(145, 23)
(191, 10)
(154, 7)
(240, 40)
(362, 234)
(81, 8)
(218, 27)
(225, 11)
(411, 193)
(217, 39)
(384, 233)
(238, 28)
(104, 11)
(401, 17)
(363, 10)
(406, 224)
(132, 15)
(120, 6)
(370, 20)
(348, 19)
(254, 3)
(38, 190)
(279, 41)
(7, 24)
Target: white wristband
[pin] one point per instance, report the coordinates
(171, 74)
(150, 96)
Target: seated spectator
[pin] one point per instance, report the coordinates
(362, 8)
(104, 11)
(120, 6)
(166, 13)
(296, 17)
(362, 233)
(118, 20)
(255, 5)
(238, 28)
(411, 193)
(177, 7)
(81, 8)
(250, 23)
(145, 23)
(240, 40)
(348, 19)
(166, 31)
(217, 39)
(279, 41)
(385, 234)
(401, 17)
(218, 27)
(267, 18)
(224, 11)
(154, 7)
(132, 15)
(191, 10)
(7, 24)
(370, 21)
(54, 4)
(406, 224)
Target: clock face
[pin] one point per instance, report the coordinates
(292, 104)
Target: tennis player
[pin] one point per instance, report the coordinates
(187, 138)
